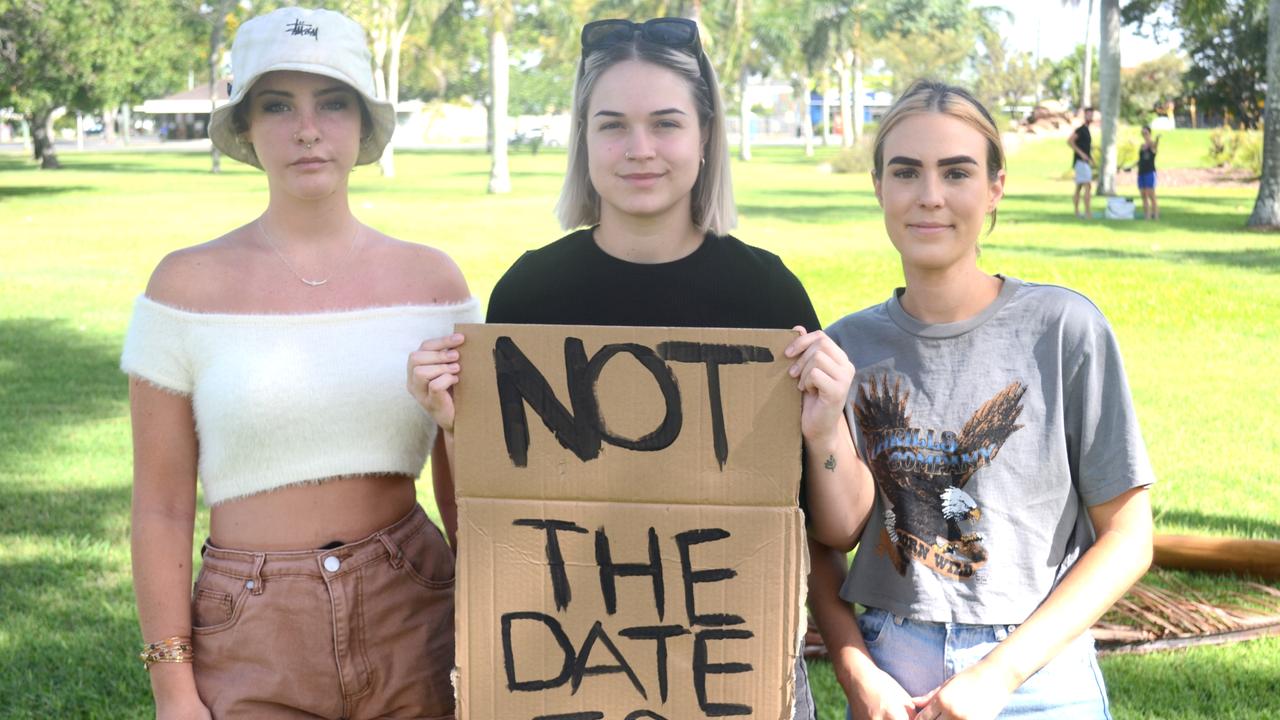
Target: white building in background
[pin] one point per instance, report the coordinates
(777, 112)
(184, 115)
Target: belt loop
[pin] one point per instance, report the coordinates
(393, 551)
(258, 560)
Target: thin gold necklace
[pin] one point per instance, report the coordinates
(262, 228)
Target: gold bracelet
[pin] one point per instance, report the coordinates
(174, 649)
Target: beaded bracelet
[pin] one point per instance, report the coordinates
(174, 649)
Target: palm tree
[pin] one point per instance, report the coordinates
(1086, 84)
(500, 12)
(1266, 210)
(1109, 81)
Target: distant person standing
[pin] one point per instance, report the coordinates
(1081, 142)
(1147, 174)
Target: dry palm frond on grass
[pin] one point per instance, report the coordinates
(1172, 615)
(1165, 613)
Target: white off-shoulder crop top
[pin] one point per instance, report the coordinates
(286, 399)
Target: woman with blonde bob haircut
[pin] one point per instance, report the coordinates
(712, 194)
(649, 178)
(1011, 481)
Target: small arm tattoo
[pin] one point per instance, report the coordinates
(830, 464)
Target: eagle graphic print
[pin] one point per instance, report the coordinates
(921, 474)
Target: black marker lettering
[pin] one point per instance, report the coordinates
(702, 668)
(555, 559)
(508, 652)
(684, 541)
(658, 633)
(610, 571)
(580, 668)
(669, 430)
(713, 356)
(520, 382)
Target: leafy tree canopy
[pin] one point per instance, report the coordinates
(1226, 44)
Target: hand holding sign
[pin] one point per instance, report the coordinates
(433, 370)
(824, 374)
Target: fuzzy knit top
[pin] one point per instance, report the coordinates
(287, 399)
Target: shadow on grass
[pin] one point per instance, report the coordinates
(55, 511)
(1261, 259)
(39, 190)
(515, 174)
(180, 164)
(1234, 525)
(72, 636)
(851, 205)
(51, 376)
(126, 162)
(1190, 213)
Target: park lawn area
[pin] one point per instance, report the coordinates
(1194, 300)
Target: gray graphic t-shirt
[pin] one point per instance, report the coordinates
(988, 439)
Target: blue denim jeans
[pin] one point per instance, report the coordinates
(923, 655)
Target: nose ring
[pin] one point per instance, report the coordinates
(628, 156)
(298, 138)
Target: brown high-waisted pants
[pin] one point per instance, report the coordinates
(364, 630)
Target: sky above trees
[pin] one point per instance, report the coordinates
(1056, 22)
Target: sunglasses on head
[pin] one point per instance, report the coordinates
(677, 33)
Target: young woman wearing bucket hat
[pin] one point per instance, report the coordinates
(648, 185)
(269, 363)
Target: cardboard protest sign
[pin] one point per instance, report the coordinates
(629, 542)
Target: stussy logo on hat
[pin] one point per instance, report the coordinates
(297, 27)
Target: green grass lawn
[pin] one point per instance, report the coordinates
(1194, 300)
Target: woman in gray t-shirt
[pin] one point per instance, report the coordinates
(1011, 478)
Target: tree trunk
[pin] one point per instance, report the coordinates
(42, 138)
(380, 30)
(1086, 83)
(1266, 209)
(859, 102)
(1192, 552)
(826, 114)
(215, 43)
(806, 115)
(499, 85)
(744, 117)
(79, 131)
(846, 99)
(1109, 75)
(109, 125)
(126, 123)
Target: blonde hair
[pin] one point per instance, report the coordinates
(927, 96)
(711, 204)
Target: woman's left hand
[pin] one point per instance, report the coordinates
(968, 695)
(824, 374)
(433, 369)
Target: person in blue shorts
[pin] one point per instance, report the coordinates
(1147, 174)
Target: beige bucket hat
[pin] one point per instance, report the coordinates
(321, 42)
